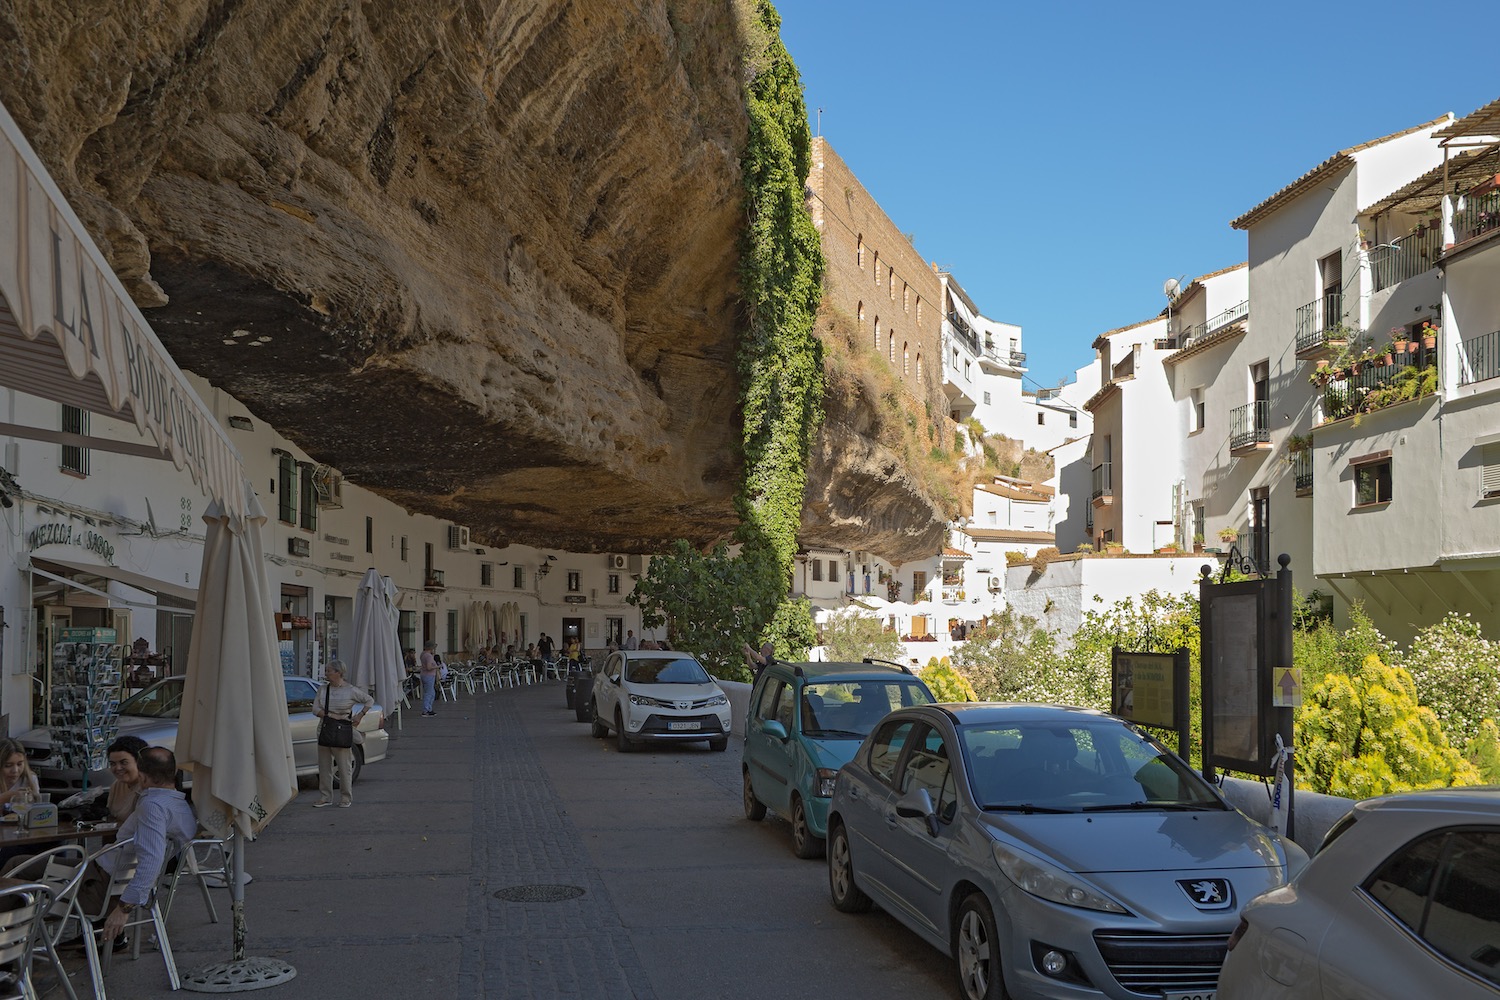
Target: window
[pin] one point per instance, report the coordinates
(877, 268)
(927, 768)
(905, 297)
(427, 559)
(859, 250)
(575, 581)
(1442, 888)
(967, 376)
(817, 569)
(918, 584)
(919, 310)
(1372, 481)
(369, 534)
(309, 497)
(890, 346)
(406, 629)
(1199, 411)
(890, 281)
(919, 366)
(885, 749)
(1073, 419)
(405, 550)
(286, 488)
(518, 577)
(452, 632)
(486, 574)
(986, 399)
(770, 695)
(833, 571)
(74, 458)
(859, 312)
(1041, 419)
(877, 334)
(905, 359)
(1489, 471)
(613, 583)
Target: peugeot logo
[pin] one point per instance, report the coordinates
(1208, 893)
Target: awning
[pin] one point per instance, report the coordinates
(69, 331)
(137, 580)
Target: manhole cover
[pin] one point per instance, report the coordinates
(539, 893)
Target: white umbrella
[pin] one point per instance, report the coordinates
(375, 653)
(388, 686)
(234, 734)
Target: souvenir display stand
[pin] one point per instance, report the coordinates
(84, 692)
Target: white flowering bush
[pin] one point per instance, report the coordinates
(1457, 673)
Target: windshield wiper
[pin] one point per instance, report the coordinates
(1025, 807)
(1155, 806)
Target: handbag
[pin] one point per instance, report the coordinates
(336, 733)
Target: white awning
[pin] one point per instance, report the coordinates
(69, 331)
(137, 580)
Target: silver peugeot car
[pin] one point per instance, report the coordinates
(1053, 852)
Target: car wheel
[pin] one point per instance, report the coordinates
(755, 809)
(622, 742)
(720, 745)
(600, 730)
(581, 708)
(847, 897)
(978, 950)
(804, 844)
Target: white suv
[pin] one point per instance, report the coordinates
(658, 694)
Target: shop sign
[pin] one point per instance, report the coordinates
(63, 533)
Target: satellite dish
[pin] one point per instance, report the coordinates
(1169, 287)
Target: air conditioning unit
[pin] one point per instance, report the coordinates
(300, 547)
(615, 561)
(634, 563)
(458, 538)
(994, 583)
(329, 486)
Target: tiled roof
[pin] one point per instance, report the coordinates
(1338, 161)
(1484, 121)
(1010, 535)
(952, 553)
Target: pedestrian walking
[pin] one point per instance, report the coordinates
(428, 666)
(338, 701)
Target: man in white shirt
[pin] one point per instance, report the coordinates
(631, 642)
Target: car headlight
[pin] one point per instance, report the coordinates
(823, 787)
(642, 700)
(718, 699)
(1050, 882)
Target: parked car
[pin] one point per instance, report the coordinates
(1401, 901)
(805, 721)
(152, 715)
(658, 695)
(1054, 852)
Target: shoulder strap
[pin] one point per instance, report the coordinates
(327, 693)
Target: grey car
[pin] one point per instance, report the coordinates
(1053, 852)
(1401, 901)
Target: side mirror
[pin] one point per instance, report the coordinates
(918, 804)
(773, 728)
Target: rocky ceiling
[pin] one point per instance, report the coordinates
(492, 245)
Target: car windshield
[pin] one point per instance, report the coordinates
(660, 670)
(850, 709)
(162, 700)
(1082, 765)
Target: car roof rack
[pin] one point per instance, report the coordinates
(889, 663)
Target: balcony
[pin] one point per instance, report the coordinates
(1479, 359)
(1004, 356)
(1104, 489)
(1367, 386)
(1250, 428)
(434, 580)
(1213, 325)
(1480, 214)
(1302, 472)
(1320, 326)
(1406, 257)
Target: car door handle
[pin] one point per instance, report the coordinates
(854, 792)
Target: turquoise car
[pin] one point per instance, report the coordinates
(806, 721)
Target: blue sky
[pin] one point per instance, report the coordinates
(1064, 159)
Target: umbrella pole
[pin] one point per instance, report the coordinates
(242, 973)
(237, 898)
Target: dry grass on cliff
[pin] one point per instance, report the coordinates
(943, 457)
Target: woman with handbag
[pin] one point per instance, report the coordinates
(337, 733)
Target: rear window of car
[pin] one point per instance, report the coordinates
(162, 700)
(679, 670)
(854, 707)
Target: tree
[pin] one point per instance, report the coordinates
(1457, 672)
(791, 630)
(1363, 734)
(946, 683)
(1006, 657)
(849, 635)
(711, 603)
(1483, 751)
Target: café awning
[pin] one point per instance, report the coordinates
(69, 331)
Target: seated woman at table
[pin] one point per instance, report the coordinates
(128, 783)
(16, 777)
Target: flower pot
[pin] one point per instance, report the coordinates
(1385, 359)
(1429, 342)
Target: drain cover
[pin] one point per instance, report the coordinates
(539, 893)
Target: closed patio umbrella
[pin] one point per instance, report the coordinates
(374, 652)
(234, 734)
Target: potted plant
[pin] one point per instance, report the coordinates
(1298, 443)
(1229, 535)
(1198, 542)
(1429, 335)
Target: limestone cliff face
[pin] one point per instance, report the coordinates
(507, 227)
(478, 255)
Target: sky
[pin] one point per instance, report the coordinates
(1063, 159)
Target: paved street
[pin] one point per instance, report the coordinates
(682, 897)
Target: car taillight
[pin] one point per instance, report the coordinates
(1239, 932)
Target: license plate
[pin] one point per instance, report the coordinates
(1198, 995)
(684, 725)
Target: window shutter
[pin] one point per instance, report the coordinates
(1489, 484)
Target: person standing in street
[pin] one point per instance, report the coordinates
(337, 700)
(631, 642)
(427, 666)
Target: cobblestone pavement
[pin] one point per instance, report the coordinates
(681, 897)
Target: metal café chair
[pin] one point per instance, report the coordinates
(206, 859)
(149, 915)
(22, 907)
(61, 870)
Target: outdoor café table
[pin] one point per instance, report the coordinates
(43, 837)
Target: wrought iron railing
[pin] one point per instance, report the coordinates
(1348, 391)
(1249, 425)
(1257, 545)
(1214, 324)
(1406, 257)
(1480, 359)
(1018, 357)
(1479, 215)
(1103, 482)
(1302, 471)
(1319, 320)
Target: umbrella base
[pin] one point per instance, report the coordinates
(238, 977)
